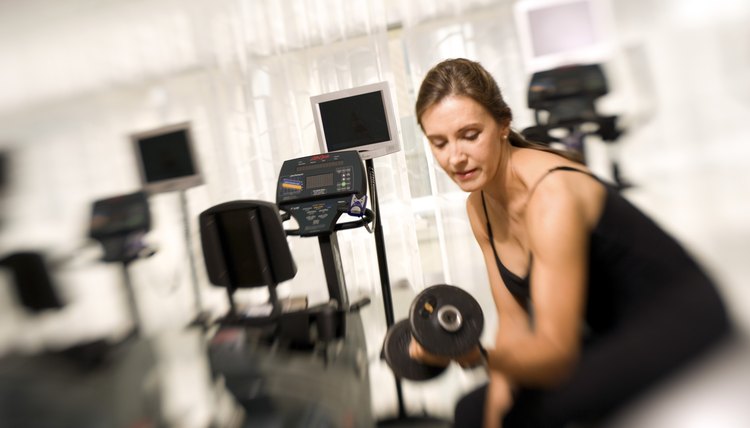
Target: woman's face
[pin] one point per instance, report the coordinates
(465, 140)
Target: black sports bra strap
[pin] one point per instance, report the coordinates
(561, 168)
(487, 217)
(569, 168)
(519, 287)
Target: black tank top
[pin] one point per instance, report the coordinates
(631, 261)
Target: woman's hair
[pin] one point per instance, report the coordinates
(468, 78)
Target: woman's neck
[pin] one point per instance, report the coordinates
(508, 190)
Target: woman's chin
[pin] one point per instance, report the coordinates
(468, 185)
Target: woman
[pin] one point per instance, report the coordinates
(594, 300)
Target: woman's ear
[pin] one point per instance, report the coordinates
(505, 127)
(505, 130)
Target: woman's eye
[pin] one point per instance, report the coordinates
(471, 135)
(438, 143)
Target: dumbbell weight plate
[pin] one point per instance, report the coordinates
(396, 353)
(446, 320)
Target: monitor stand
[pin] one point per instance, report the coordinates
(197, 300)
(402, 418)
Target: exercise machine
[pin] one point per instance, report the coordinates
(298, 366)
(120, 224)
(94, 383)
(564, 104)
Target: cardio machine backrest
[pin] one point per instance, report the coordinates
(244, 245)
(567, 94)
(32, 280)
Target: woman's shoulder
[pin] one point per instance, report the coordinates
(477, 217)
(550, 186)
(533, 165)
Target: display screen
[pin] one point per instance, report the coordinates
(561, 28)
(354, 121)
(120, 215)
(166, 156)
(322, 180)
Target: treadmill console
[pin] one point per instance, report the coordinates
(119, 224)
(317, 189)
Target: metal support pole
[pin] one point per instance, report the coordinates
(131, 299)
(385, 282)
(197, 301)
(329, 251)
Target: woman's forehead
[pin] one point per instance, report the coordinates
(454, 110)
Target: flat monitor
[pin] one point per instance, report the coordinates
(554, 33)
(120, 215)
(166, 159)
(361, 119)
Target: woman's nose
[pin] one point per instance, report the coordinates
(457, 154)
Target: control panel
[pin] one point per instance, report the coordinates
(317, 189)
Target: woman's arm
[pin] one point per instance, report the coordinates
(557, 226)
(512, 317)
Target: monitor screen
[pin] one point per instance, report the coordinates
(166, 159)
(561, 27)
(120, 215)
(360, 118)
(553, 33)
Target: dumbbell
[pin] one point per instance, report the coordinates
(445, 320)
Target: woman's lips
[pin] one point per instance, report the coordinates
(465, 175)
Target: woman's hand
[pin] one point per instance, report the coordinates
(418, 353)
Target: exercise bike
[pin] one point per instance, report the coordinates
(563, 100)
(95, 382)
(300, 365)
